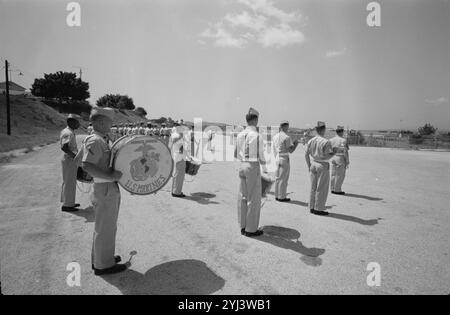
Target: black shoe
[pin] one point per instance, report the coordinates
(338, 192)
(69, 209)
(109, 271)
(179, 196)
(283, 200)
(322, 213)
(242, 231)
(117, 259)
(77, 205)
(254, 234)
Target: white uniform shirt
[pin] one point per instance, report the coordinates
(320, 149)
(281, 144)
(178, 147)
(340, 144)
(250, 146)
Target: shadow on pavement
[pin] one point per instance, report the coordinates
(87, 213)
(202, 198)
(187, 277)
(352, 219)
(287, 238)
(362, 197)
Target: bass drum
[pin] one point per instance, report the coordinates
(145, 162)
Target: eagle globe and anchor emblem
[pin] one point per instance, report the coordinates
(146, 165)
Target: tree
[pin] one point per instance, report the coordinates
(427, 130)
(116, 101)
(140, 112)
(62, 86)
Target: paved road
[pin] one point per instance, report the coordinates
(397, 214)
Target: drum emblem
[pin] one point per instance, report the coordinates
(146, 165)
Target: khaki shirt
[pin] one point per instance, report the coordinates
(340, 144)
(281, 144)
(341, 148)
(97, 151)
(319, 149)
(250, 146)
(178, 147)
(67, 136)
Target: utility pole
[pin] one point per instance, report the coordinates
(8, 107)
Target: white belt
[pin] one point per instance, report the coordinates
(98, 180)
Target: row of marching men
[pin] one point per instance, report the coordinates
(320, 152)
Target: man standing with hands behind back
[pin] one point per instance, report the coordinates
(106, 194)
(250, 152)
(321, 151)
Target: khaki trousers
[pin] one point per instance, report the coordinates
(249, 197)
(69, 185)
(178, 177)
(338, 170)
(106, 202)
(320, 183)
(281, 182)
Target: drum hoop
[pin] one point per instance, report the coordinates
(133, 138)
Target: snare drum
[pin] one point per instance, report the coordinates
(145, 162)
(192, 166)
(266, 184)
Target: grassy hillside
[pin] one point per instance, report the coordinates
(34, 124)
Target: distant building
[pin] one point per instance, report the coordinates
(14, 88)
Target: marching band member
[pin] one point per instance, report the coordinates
(106, 194)
(177, 144)
(68, 144)
(320, 149)
(282, 147)
(250, 151)
(340, 162)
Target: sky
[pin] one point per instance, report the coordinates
(303, 61)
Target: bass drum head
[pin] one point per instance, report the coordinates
(145, 162)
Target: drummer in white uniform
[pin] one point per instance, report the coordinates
(250, 152)
(282, 147)
(340, 162)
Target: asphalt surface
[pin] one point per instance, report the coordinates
(396, 214)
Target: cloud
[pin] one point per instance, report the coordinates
(222, 38)
(259, 22)
(280, 36)
(335, 53)
(439, 101)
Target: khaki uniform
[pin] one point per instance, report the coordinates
(281, 144)
(339, 162)
(106, 202)
(179, 157)
(69, 168)
(249, 149)
(321, 151)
